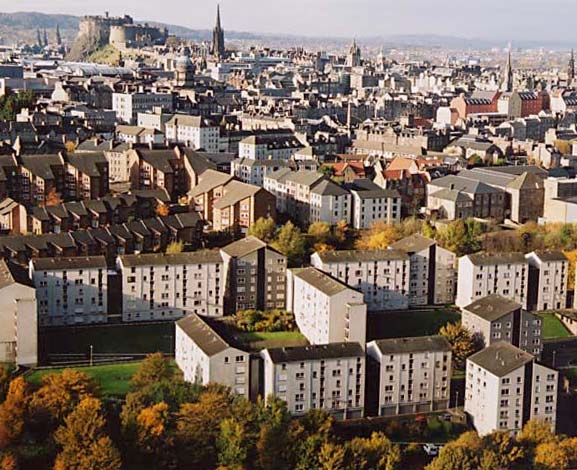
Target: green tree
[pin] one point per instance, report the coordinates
(83, 441)
(154, 368)
(264, 229)
(272, 441)
(291, 243)
(232, 445)
(462, 342)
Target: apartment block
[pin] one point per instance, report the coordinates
(371, 204)
(505, 388)
(382, 276)
(205, 357)
(413, 374)
(433, 276)
(328, 377)
(255, 276)
(18, 316)
(495, 318)
(548, 278)
(325, 309)
(169, 286)
(481, 275)
(71, 291)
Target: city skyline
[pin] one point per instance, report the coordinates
(494, 20)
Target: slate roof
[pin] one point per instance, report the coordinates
(164, 259)
(492, 307)
(243, 247)
(358, 256)
(413, 244)
(320, 281)
(315, 353)
(501, 358)
(413, 345)
(60, 264)
(205, 337)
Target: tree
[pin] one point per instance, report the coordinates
(9, 462)
(198, 426)
(290, 242)
(535, 432)
(232, 445)
(60, 394)
(272, 441)
(155, 368)
(427, 230)
(83, 440)
(152, 432)
(379, 237)
(461, 341)
(551, 456)
(341, 232)
(572, 257)
(332, 457)
(162, 210)
(53, 198)
(12, 412)
(307, 436)
(374, 453)
(264, 229)
(506, 450)
(454, 457)
(4, 379)
(175, 248)
(320, 232)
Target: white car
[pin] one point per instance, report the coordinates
(432, 450)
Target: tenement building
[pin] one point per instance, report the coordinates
(412, 375)
(505, 388)
(169, 286)
(328, 377)
(71, 291)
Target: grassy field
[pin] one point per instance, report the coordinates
(112, 339)
(553, 327)
(113, 379)
(408, 323)
(257, 341)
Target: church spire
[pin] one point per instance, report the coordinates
(218, 25)
(508, 79)
(218, 47)
(572, 65)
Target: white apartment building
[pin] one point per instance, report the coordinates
(414, 374)
(254, 171)
(70, 291)
(328, 377)
(277, 147)
(329, 203)
(495, 318)
(128, 105)
(505, 388)
(371, 204)
(169, 286)
(204, 357)
(18, 316)
(326, 310)
(433, 276)
(548, 278)
(195, 131)
(481, 275)
(275, 183)
(382, 276)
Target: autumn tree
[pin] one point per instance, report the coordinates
(13, 412)
(4, 380)
(272, 444)
(551, 456)
(502, 448)
(53, 198)
(162, 210)
(308, 435)
(535, 432)
(9, 462)
(59, 394)
(379, 237)
(152, 429)
(291, 243)
(332, 457)
(264, 229)
(154, 368)
(374, 453)
(462, 342)
(175, 248)
(454, 456)
(198, 426)
(83, 441)
(232, 445)
(341, 232)
(320, 232)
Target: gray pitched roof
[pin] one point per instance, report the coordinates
(501, 358)
(328, 188)
(205, 337)
(413, 344)
(243, 247)
(316, 352)
(413, 244)
(357, 256)
(165, 259)
(234, 192)
(492, 307)
(80, 262)
(321, 281)
(484, 259)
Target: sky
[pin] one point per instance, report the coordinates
(483, 19)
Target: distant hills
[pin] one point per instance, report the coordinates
(22, 26)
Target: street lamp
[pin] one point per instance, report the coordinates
(554, 354)
(91, 356)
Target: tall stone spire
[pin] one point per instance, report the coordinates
(218, 47)
(58, 35)
(508, 79)
(571, 70)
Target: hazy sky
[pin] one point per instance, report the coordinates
(487, 19)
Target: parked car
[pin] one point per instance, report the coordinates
(431, 450)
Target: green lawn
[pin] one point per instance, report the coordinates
(115, 339)
(553, 327)
(114, 379)
(400, 324)
(257, 341)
